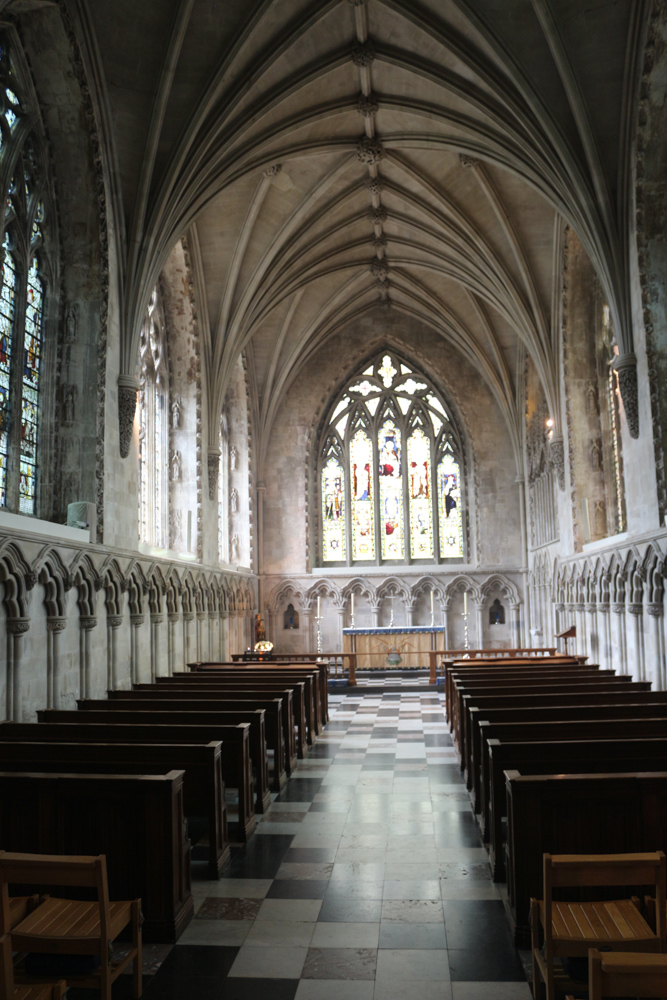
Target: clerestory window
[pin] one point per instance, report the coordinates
(390, 471)
(154, 430)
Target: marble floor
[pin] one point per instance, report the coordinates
(366, 880)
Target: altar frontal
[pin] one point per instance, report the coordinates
(393, 648)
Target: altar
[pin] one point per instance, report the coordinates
(393, 648)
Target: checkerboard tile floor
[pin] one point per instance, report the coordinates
(366, 880)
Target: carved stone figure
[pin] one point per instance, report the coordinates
(235, 501)
(127, 405)
(175, 527)
(176, 467)
(233, 458)
(599, 519)
(260, 631)
(69, 397)
(71, 323)
(592, 398)
(176, 413)
(596, 455)
(236, 550)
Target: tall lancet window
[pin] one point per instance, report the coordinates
(390, 472)
(25, 273)
(154, 430)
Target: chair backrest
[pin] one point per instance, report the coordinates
(54, 869)
(6, 970)
(623, 974)
(607, 870)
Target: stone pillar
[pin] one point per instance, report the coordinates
(86, 625)
(559, 610)
(479, 636)
(202, 648)
(136, 621)
(604, 625)
(620, 660)
(172, 618)
(375, 614)
(637, 613)
(581, 644)
(446, 622)
(114, 622)
(17, 628)
(188, 616)
(54, 626)
(224, 636)
(156, 621)
(213, 623)
(409, 615)
(341, 626)
(656, 613)
(515, 625)
(310, 641)
(593, 637)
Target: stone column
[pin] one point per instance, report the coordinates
(593, 637)
(409, 615)
(136, 621)
(54, 626)
(559, 610)
(637, 612)
(202, 648)
(156, 621)
(515, 625)
(310, 641)
(114, 622)
(446, 622)
(341, 626)
(656, 613)
(604, 625)
(17, 628)
(479, 616)
(620, 660)
(375, 614)
(172, 618)
(213, 621)
(224, 636)
(581, 644)
(188, 616)
(86, 625)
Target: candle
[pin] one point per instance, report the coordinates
(319, 606)
(352, 609)
(432, 603)
(465, 602)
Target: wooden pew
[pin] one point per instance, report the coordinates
(249, 689)
(152, 695)
(571, 757)
(279, 661)
(137, 821)
(473, 666)
(234, 749)
(576, 814)
(112, 712)
(203, 787)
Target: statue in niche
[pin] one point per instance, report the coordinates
(176, 467)
(236, 552)
(176, 413)
(592, 398)
(235, 501)
(599, 519)
(233, 458)
(291, 618)
(70, 323)
(69, 397)
(596, 455)
(260, 631)
(175, 526)
(496, 613)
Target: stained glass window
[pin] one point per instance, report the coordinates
(32, 352)
(421, 508)
(154, 431)
(391, 490)
(6, 329)
(449, 507)
(333, 510)
(363, 514)
(390, 475)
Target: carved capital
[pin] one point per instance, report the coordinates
(202, 616)
(30, 580)
(557, 459)
(188, 616)
(626, 368)
(656, 610)
(367, 106)
(56, 624)
(603, 609)
(363, 53)
(18, 626)
(560, 608)
(618, 609)
(173, 617)
(591, 608)
(369, 150)
(87, 623)
(157, 619)
(213, 473)
(114, 621)
(127, 405)
(635, 609)
(137, 620)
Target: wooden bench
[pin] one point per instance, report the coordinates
(249, 689)
(115, 712)
(282, 661)
(203, 786)
(575, 814)
(193, 700)
(471, 667)
(137, 821)
(234, 749)
(570, 757)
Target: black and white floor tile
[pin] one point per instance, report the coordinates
(366, 880)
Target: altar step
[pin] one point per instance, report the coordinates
(385, 682)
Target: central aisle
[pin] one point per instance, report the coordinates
(367, 879)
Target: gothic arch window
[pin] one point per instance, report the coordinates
(390, 471)
(26, 274)
(154, 464)
(223, 492)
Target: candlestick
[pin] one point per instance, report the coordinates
(352, 610)
(319, 633)
(352, 601)
(465, 602)
(319, 605)
(432, 610)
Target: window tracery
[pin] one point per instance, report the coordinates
(154, 462)
(390, 467)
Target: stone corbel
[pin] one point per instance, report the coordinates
(213, 473)
(557, 459)
(127, 405)
(626, 368)
(114, 621)
(87, 623)
(56, 624)
(18, 626)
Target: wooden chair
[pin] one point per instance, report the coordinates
(72, 927)
(20, 907)
(10, 991)
(623, 974)
(570, 929)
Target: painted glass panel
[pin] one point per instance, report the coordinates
(449, 507)
(333, 511)
(361, 476)
(391, 491)
(32, 350)
(7, 305)
(221, 488)
(159, 466)
(421, 508)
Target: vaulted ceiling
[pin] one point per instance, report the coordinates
(330, 157)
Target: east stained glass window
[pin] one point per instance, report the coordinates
(7, 306)
(390, 480)
(32, 353)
